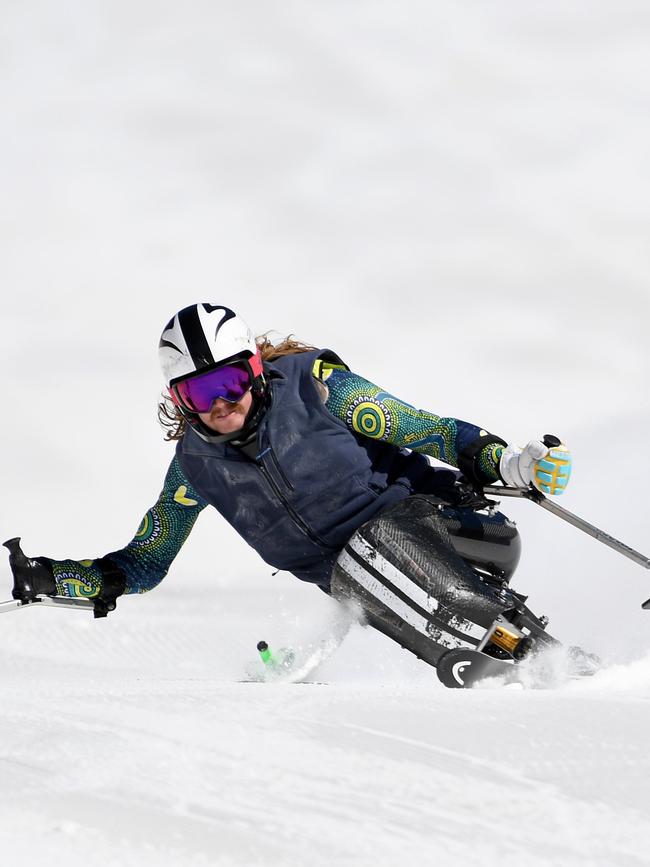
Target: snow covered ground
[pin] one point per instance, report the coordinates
(133, 741)
(456, 198)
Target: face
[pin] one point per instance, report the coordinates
(225, 417)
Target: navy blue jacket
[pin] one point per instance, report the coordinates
(313, 482)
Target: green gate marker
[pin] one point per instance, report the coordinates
(265, 653)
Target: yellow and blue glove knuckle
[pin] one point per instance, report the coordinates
(552, 473)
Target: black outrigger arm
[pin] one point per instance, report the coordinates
(34, 585)
(537, 497)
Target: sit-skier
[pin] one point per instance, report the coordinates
(327, 476)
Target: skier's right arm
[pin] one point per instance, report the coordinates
(144, 562)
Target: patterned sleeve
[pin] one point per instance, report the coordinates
(145, 561)
(373, 412)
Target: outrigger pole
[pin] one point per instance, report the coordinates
(539, 498)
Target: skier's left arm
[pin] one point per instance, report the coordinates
(482, 457)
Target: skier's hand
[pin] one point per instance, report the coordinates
(32, 576)
(545, 465)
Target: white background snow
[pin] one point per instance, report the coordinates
(456, 198)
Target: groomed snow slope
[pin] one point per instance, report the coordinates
(455, 197)
(152, 752)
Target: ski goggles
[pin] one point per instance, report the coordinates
(198, 393)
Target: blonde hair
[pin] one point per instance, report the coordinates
(170, 417)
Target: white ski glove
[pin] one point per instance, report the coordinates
(547, 467)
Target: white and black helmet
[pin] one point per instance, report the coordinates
(203, 337)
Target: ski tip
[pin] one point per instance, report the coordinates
(646, 605)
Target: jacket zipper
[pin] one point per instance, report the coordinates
(281, 473)
(292, 512)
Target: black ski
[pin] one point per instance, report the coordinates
(462, 669)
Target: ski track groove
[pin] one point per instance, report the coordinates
(551, 794)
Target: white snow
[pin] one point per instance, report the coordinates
(133, 741)
(456, 198)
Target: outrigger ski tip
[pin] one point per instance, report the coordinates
(51, 601)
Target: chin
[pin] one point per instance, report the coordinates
(230, 429)
(227, 426)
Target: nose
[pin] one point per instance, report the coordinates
(221, 406)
